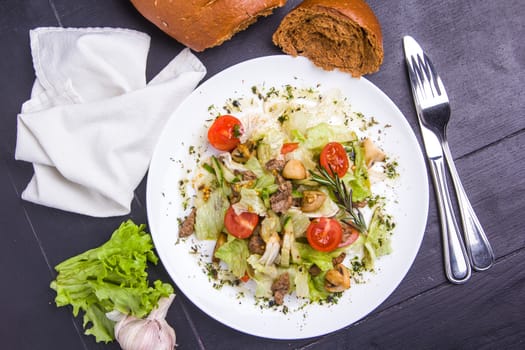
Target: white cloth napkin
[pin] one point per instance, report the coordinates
(92, 122)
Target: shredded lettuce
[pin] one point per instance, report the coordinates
(254, 165)
(209, 220)
(377, 241)
(316, 287)
(323, 133)
(250, 202)
(302, 290)
(297, 136)
(110, 277)
(266, 182)
(264, 153)
(288, 238)
(263, 275)
(270, 225)
(272, 137)
(220, 175)
(310, 256)
(235, 254)
(300, 221)
(359, 182)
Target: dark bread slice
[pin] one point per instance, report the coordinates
(342, 34)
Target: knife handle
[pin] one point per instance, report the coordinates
(478, 246)
(457, 267)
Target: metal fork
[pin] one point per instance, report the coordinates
(434, 112)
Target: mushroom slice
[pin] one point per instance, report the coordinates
(294, 170)
(243, 152)
(312, 200)
(337, 279)
(372, 153)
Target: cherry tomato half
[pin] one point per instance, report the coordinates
(324, 234)
(334, 156)
(350, 235)
(242, 225)
(289, 147)
(224, 133)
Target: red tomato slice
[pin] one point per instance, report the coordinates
(334, 156)
(324, 234)
(224, 133)
(289, 147)
(245, 278)
(350, 235)
(242, 225)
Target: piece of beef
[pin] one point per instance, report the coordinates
(361, 204)
(256, 245)
(282, 200)
(235, 195)
(339, 259)
(186, 227)
(314, 270)
(248, 175)
(281, 287)
(275, 164)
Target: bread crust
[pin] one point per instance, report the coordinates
(335, 53)
(201, 24)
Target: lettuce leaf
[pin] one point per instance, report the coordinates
(110, 277)
(360, 183)
(209, 220)
(234, 253)
(310, 256)
(316, 287)
(300, 221)
(319, 135)
(302, 289)
(263, 275)
(378, 238)
(254, 165)
(250, 202)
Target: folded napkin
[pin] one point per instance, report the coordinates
(92, 122)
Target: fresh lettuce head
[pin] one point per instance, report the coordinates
(110, 277)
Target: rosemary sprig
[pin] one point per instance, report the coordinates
(342, 194)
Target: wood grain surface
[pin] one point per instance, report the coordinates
(479, 49)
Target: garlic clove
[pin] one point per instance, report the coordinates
(162, 308)
(151, 333)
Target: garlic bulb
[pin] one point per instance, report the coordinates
(151, 333)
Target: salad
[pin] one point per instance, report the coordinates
(289, 195)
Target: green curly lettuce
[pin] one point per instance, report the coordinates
(110, 277)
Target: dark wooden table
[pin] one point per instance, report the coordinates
(479, 48)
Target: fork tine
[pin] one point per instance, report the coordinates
(416, 79)
(441, 87)
(425, 74)
(429, 88)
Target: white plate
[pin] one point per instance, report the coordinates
(171, 163)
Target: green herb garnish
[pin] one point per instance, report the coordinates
(343, 195)
(237, 131)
